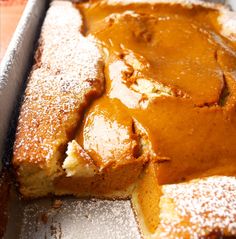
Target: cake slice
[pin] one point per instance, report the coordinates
(200, 208)
(105, 158)
(66, 77)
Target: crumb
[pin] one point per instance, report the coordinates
(44, 218)
(57, 204)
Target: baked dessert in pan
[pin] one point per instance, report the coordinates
(135, 99)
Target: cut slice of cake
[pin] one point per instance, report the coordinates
(66, 77)
(200, 208)
(105, 159)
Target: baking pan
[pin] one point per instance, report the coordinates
(61, 217)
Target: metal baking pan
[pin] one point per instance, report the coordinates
(57, 218)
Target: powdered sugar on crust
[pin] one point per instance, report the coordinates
(186, 3)
(227, 20)
(67, 75)
(195, 209)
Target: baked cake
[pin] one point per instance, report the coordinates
(135, 99)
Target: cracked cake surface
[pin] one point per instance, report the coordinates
(135, 99)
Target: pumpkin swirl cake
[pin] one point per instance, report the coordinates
(135, 99)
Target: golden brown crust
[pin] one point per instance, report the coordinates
(67, 75)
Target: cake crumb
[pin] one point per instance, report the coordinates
(44, 218)
(57, 204)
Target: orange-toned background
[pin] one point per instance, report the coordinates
(10, 13)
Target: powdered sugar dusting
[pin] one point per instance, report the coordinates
(186, 3)
(192, 210)
(79, 219)
(67, 75)
(227, 21)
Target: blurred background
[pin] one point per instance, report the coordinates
(10, 13)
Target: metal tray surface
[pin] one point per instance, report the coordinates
(44, 218)
(75, 218)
